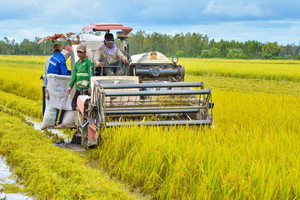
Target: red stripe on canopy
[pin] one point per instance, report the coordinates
(106, 27)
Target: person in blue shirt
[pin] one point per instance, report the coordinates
(56, 49)
(57, 65)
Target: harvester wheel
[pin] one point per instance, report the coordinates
(181, 72)
(76, 138)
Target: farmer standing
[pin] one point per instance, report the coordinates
(81, 75)
(57, 65)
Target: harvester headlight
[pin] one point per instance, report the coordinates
(174, 59)
(153, 55)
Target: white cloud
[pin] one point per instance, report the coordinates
(262, 31)
(235, 9)
(32, 33)
(225, 19)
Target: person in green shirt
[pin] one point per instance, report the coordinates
(81, 75)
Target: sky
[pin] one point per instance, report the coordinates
(240, 20)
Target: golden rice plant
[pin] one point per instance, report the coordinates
(249, 85)
(23, 106)
(23, 59)
(50, 172)
(252, 153)
(262, 69)
(20, 75)
(22, 82)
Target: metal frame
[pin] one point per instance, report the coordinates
(124, 69)
(159, 71)
(101, 73)
(122, 104)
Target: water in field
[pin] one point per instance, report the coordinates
(65, 143)
(93, 163)
(5, 178)
(57, 132)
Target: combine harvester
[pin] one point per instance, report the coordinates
(151, 91)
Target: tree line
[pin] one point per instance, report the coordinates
(26, 47)
(181, 45)
(198, 45)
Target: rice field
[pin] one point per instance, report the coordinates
(262, 69)
(252, 153)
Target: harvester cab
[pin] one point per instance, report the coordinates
(151, 91)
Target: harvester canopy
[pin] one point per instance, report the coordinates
(107, 27)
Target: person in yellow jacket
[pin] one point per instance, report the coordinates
(81, 74)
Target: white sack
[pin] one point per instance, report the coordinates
(50, 115)
(57, 87)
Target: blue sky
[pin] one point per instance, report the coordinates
(241, 20)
